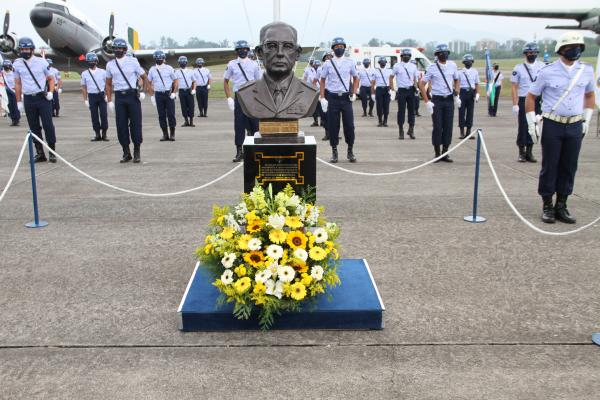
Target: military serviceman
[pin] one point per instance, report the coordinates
(469, 95)
(406, 75)
(187, 91)
(567, 89)
(328, 55)
(420, 75)
(336, 97)
(163, 91)
(93, 86)
(523, 76)
(443, 75)
(203, 78)
(58, 87)
(122, 76)
(366, 79)
(309, 76)
(8, 77)
(31, 76)
(381, 91)
(497, 80)
(240, 71)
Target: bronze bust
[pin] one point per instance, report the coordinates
(278, 94)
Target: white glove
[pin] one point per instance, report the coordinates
(87, 103)
(106, 99)
(516, 109)
(231, 103)
(430, 106)
(476, 97)
(353, 97)
(49, 96)
(60, 91)
(20, 106)
(324, 104)
(457, 101)
(373, 97)
(532, 127)
(392, 94)
(207, 87)
(357, 92)
(111, 106)
(153, 100)
(587, 118)
(193, 92)
(142, 96)
(173, 96)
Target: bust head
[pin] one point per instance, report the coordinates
(278, 49)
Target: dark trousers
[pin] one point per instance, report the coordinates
(493, 107)
(187, 103)
(128, 111)
(323, 116)
(55, 101)
(523, 138)
(443, 114)
(202, 97)
(340, 108)
(406, 103)
(241, 122)
(166, 110)
(467, 106)
(417, 102)
(13, 110)
(98, 111)
(382, 101)
(365, 99)
(560, 150)
(38, 108)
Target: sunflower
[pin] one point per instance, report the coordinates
(298, 291)
(296, 240)
(277, 236)
(317, 253)
(242, 285)
(293, 222)
(299, 265)
(254, 258)
(254, 225)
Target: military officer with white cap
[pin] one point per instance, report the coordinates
(380, 91)
(187, 91)
(93, 86)
(203, 78)
(469, 95)
(406, 75)
(163, 90)
(366, 78)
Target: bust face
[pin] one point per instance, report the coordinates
(279, 52)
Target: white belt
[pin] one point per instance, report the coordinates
(563, 120)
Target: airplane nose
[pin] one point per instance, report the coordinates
(40, 18)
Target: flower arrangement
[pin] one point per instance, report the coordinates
(270, 253)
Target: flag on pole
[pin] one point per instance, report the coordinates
(133, 39)
(489, 74)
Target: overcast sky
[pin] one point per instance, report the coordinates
(356, 20)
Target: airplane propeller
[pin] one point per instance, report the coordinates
(111, 24)
(6, 23)
(7, 42)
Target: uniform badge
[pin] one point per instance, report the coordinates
(514, 73)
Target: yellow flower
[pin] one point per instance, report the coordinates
(251, 216)
(208, 239)
(254, 225)
(243, 241)
(254, 258)
(329, 245)
(227, 233)
(298, 291)
(242, 285)
(240, 271)
(277, 236)
(293, 222)
(306, 279)
(335, 254)
(259, 288)
(296, 240)
(299, 265)
(220, 220)
(208, 248)
(317, 253)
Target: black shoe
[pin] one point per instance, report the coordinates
(447, 158)
(165, 136)
(522, 155)
(462, 133)
(97, 138)
(417, 114)
(40, 155)
(364, 114)
(436, 149)
(126, 155)
(371, 114)
(350, 155)
(15, 123)
(548, 213)
(191, 125)
(411, 131)
(136, 153)
(385, 124)
(315, 123)
(321, 123)
(172, 131)
(239, 155)
(380, 124)
(326, 137)
(51, 156)
(186, 123)
(468, 133)
(529, 154)
(561, 212)
(401, 133)
(104, 138)
(334, 155)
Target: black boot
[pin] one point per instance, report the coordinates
(40, 155)
(436, 149)
(315, 122)
(136, 153)
(529, 154)
(186, 123)
(561, 211)
(172, 138)
(51, 156)
(371, 113)
(350, 155)
(334, 155)
(165, 137)
(522, 154)
(326, 137)
(447, 158)
(385, 121)
(462, 133)
(192, 122)
(126, 154)
(469, 132)
(97, 138)
(380, 124)
(364, 113)
(411, 131)
(548, 214)
(401, 133)
(104, 138)
(239, 155)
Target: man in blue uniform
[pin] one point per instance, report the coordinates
(31, 76)
(8, 77)
(240, 71)
(187, 91)
(497, 79)
(444, 80)
(93, 87)
(522, 78)
(406, 75)
(336, 97)
(366, 79)
(163, 91)
(203, 78)
(380, 86)
(58, 87)
(567, 89)
(469, 95)
(328, 55)
(122, 76)
(310, 76)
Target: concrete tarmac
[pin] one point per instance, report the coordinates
(487, 311)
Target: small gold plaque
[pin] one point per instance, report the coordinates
(275, 127)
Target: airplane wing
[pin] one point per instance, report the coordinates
(212, 56)
(558, 14)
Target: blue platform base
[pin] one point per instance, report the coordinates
(353, 305)
(596, 338)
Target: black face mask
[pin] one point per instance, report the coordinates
(243, 53)
(442, 56)
(382, 65)
(119, 53)
(366, 65)
(26, 56)
(340, 51)
(6, 68)
(159, 62)
(531, 58)
(92, 65)
(405, 59)
(468, 64)
(572, 54)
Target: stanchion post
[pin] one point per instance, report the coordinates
(474, 218)
(36, 223)
(596, 338)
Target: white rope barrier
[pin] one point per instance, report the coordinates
(132, 191)
(404, 171)
(14, 172)
(514, 209)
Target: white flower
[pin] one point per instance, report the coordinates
(278, 289)
(316, 272)
(301, 212)
(286, 273)
(227, 277)
(273, 268)
(320, 235)
(313, 217)
(263, 276)
(301, 254)
(276, 221)
(293, 201)
(274, 289)
(254, 244)
(228, 260)
(275, 251)
(240, 211)
(230, 221)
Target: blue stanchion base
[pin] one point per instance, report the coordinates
(353, 305)
(596, 338)
(476, 220)
(40, 224)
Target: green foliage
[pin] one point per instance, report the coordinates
(242, 310)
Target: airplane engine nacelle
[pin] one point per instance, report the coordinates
(8, 44)
(107, 46)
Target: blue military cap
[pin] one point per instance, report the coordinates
(242, 44)
(91, 57)
(327, 53)
(6, 63)
(26, 43)
(381, 60)
(182, 60)
(159, 55)
(406, 52)
(338, 40)
(119, 43)
(531, 47)
(468, 57)
(200, 61)
(317, 63)
(442, 48)
(366, 61)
